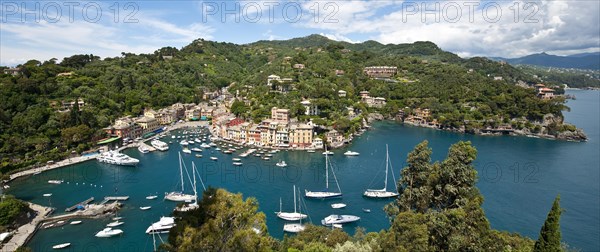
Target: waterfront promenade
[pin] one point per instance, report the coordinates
(59, 164)
(23, 233)
(79, 159)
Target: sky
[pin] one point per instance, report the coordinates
(56, 29)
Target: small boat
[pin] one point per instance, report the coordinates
(266, 158)
(217, 149)
(117, 218)
(351, 153)
(47, 194)
(109, 232)
(214, 158)
(195, 149)
(161, 226)
(328, 153)
(151, 197)
(186, 151)
(293, 227)
(115, 224)
(184, 143)
(237, 163)
(339, 219)
(143, 149)
(145, 207)
(61, 246)
(268, 155)
(338, 205)
(236, 159)
(281, 164)
(205, 145)
(55, 181)
(227, 152)
(75, 222)
(337, 225)
(366, 210)
(198, 155)
(257, 155)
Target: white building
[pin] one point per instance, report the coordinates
(309, 108)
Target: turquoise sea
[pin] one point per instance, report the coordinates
(518, 176)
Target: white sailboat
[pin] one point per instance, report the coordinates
(194, 205)
(326, 193)
(179, 196)
(291, 216)
(382, 193)
(295, 227)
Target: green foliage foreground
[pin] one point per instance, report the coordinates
(439, 209)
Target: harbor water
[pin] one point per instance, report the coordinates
(518, 176)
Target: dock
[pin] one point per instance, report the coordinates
(83, 203)
(115, 198)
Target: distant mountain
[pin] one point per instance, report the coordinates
(597, 54)
(582, 60)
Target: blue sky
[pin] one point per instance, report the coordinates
(54, 29)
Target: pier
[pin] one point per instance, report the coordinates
(115, 198)
(83, 203)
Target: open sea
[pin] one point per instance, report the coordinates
(518, 176)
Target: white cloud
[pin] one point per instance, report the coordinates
(557, 26)
(339, 37)
(21, 41)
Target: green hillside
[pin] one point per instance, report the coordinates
(460, 93)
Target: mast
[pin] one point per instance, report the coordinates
(387, 161)
(153, 241)
(181, 171)
(195, 190)
(326, 169)
(294, 198)
(279, 204)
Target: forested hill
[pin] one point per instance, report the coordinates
(459, 93)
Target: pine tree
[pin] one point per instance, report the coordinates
(549, 239)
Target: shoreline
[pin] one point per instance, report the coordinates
(514, 133)
(23, 234)
(81, 159)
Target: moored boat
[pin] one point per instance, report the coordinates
(351, 153)
(108, 232)
(61, 246)
(143, 149)
(159, 145)
(145, 208)
(115, 224)
(338, 205)
(339, 219)
(117, 158)
(161, 226)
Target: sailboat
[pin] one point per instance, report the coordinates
(179, 196)
(295, 227)
(194, 205)
(326, 193)
(291, 216)
(382, 193)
